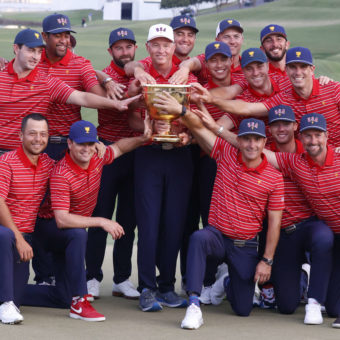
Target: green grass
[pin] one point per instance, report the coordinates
(311, 23)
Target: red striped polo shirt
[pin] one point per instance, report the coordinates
(112, 124)
(23, 186)
(19, 97)
(75, 189)
(320, 185)
(279, 76)
(242, 196)
(296, 208)
(78, 73)
(323, 99)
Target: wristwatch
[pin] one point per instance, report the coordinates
(269, 262)
(106, 80)
(184, 111)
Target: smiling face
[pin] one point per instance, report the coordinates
(283, 131)
(56, 44)
(233, 38)
(161, 51)
(275, 46)
(300, 74)
(251, 147)
(122, 52)
(184, 40)
(27, 57)
(314, 142)
(219, 66)
(256, 74)
(81, 153)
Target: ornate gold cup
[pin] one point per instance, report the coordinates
(180, 92)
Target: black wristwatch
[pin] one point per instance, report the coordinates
(269, 262)
(184, 111)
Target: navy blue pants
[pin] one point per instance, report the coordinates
(42, 262)
(333, 295)
(14, 274)
(68, 251)
(242, 262)
(117, 182)
(315, 237)
(162, 190)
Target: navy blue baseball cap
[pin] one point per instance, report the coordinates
(121, 33)
(281, 112)
(29, 37)
(83, 132)
(57, 23)
(252, 126)
(228, 23)
(273, 29)
(313, 121)
(183, 21)
(215, 48)
(253, 54)
(299, 55)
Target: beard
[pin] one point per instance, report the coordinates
(275, 58)
(122, 63)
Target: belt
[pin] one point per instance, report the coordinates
(58, 139)
(245, 243)
(292, 228)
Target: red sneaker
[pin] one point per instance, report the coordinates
(82, 309)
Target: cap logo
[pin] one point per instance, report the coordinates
(230, 22)
(217, 46)
(37, 35)
(160, 29)
(298, 54)
(185, 21)
(280, 112)
(122, 33)
(272, 28)
(87, 129)
(62, 21)
(251, 53)
(312, 120)
(253, 125)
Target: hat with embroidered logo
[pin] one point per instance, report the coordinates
(299, 55)
(183, 21)
(272, 29)
(313, 121)
(57, 23)
(29, 38)
(215, 48)
(252, 54)
(121, 33)
(281, 112)
(228, 23)
(161, 31)
(252, 126)
(83, 131)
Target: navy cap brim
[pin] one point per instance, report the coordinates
(313, 128)
(60, 30)
(82, 140)
(183, 26)
(34, 44)
(252, 61)
(271, 33)
(207, 57)
(280, 118)
(251, 133)
(299, 61)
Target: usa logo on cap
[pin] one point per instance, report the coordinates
(62, 21)
(312, 119)
(253, 125)
(122, 33)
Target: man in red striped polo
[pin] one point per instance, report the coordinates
(304, 96)
(74, 186)
(24, 174)
(117, 181)
(246, 189)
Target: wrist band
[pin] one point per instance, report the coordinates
(106, 80)
(184, 111)
(220, 130)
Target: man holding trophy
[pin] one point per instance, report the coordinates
(163, 172)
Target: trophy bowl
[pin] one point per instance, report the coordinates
(180, 92)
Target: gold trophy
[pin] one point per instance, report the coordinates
(180, 92)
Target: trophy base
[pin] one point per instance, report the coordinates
(166, 138)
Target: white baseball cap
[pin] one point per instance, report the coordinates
(161, 31)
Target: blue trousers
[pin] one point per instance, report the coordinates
(162, 189)
(315, 237)
(14, 274)
(68, 251)
(242, 262)
(117, 182)
(333, 294)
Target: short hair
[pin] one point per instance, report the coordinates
(34, 116)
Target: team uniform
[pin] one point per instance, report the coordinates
(21, 96)
(321, 187)
(75, 190)
(117, 181)
(301, 231)
(240, 199)
(323, 99)
(22, 186)
(162, 189)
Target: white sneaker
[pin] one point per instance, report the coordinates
(93, 289)
(222, 270)
(217, 292)
(205, 295)
(125, 289)
(193, 318)
(9, 313)
(313, 314)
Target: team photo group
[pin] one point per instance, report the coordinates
(226, 164)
